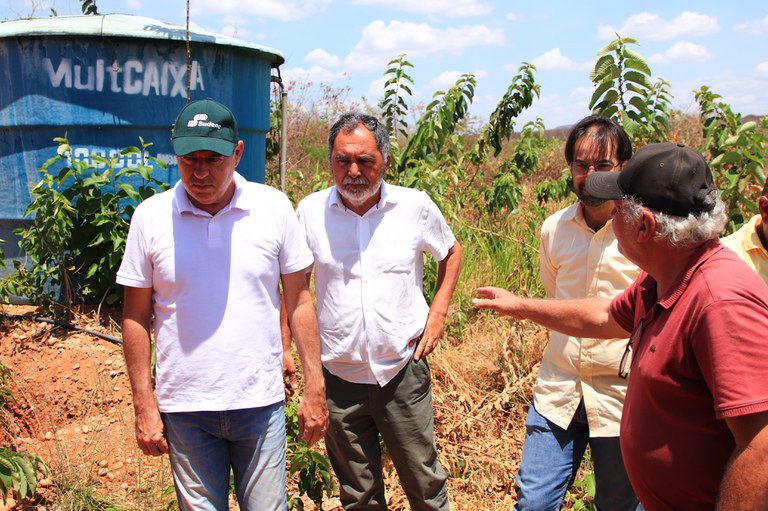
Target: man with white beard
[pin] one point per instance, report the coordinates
(368, 239)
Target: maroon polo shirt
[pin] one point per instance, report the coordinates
(702, 356)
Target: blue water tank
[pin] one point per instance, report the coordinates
(106, 81)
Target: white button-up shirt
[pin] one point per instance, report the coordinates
(577, 262)
(368, 278)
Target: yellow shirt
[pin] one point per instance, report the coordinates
(746, 243)
(577, 262)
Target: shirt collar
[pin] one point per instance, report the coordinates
(698, 258)
(751, 240)
(576, 214)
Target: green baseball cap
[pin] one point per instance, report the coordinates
(204, 125)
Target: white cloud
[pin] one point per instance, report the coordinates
(647, 25)
(743, 92)
(135, 5)
(233, 31)
(512, 16)
(754, 27)
(320, 57)
(682, 52)
(314, 74)
(582, 93)
(194, 27)
(444, 80)
(382, 42)
(762, 69)
(449, 8)
(229, 28)
(232, 26)
(282, 10)
(376, 89)
(555, 111)
(447, 79)
(510, 67)
(555, 60)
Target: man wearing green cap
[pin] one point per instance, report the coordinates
(206, 260)
(694, 429)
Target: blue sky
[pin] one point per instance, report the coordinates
(723, 45)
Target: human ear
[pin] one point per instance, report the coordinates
(762, 203)
(238, 151)
(646, 226)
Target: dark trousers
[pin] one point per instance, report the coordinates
(401, 412)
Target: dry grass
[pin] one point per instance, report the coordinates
(481, 389)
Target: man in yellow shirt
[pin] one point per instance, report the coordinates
(751, 241)
(579, 395)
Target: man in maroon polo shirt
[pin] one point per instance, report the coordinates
(694, 430)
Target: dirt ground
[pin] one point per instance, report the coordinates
(72, 406)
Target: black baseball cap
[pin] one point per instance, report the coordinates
(204, 125)
(666, 177)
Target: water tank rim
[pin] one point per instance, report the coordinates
(125, 25)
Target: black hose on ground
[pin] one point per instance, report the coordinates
(68, 326)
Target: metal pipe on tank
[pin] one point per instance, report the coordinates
(283, 129)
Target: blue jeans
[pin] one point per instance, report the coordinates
(551, 458)
(205, 445)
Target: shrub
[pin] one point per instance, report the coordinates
(81, 214)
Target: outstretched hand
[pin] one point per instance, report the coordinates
(503, 302)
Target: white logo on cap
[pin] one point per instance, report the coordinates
(201, 120)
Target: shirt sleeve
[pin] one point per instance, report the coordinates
(438, 236)
(623, 307)
(136, 266)
(295, 254)
(729, 340)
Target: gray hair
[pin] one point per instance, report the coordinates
(679, 231)
(351, 120)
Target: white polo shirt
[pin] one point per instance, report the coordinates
(368, 278)
(215, 289)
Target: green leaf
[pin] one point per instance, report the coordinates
(638, 65)
(635, 57)
(609, 47)
(604, 68)
(49, 162)
(727, 157)
(611, 96)
(638, 103)
(638, 78)
(599, 91)
(747, 126)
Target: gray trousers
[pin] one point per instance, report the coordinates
(401, 412)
